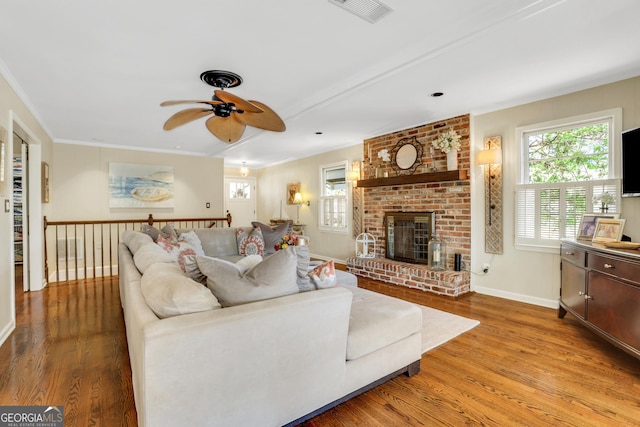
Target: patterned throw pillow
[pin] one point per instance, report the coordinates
(178, 249)
(250, 243)
(324, 275)
(192, 238)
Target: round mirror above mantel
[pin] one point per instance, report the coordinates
(406, 156)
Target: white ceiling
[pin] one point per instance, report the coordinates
(95, 72)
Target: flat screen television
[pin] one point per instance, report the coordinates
(631, 163)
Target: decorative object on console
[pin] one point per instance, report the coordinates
(588, 223)
(437, 253)
(608, 230)
(449, 143)
(491, 157)
(365, 245)
(407, 156)
(604, 200)
(286, 241)
(231, 114)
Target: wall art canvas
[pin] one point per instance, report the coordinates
(140, 186)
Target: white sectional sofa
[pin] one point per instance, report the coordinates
(266, 363)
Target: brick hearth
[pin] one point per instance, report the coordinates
(417, 276)
(450, 200)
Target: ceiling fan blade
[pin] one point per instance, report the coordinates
(240, 103)
(267, 120)
(167, 103)
(226, 129)
(185, 116)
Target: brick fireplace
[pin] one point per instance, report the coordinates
(446, 194)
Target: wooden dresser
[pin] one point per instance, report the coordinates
(601, 287)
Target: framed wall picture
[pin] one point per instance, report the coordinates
(292, 189)
(588, 222)
(45, 182)
(608, 230)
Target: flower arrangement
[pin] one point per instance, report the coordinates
(287, 240)
(384, 155)
(604, 199)
(448, 141)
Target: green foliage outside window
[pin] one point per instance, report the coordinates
(578, 154)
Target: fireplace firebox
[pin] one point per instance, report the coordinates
(407, 235)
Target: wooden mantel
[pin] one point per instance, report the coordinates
(455, 175)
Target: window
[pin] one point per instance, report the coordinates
(565, 168)
(333, 197)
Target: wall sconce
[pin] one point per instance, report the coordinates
(244, 171)
(491, 157)
(354, 173)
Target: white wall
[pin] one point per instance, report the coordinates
(79, 184)
(272, 186)
(533, 276)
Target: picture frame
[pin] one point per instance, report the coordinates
(588, 223)
(45, 182)
(608, 230)
(292, 189)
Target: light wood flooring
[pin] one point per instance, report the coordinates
(521, 366)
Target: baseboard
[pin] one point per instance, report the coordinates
(6, 331)
(542, 302)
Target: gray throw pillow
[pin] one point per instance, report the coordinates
(274, 277)
(273, 235)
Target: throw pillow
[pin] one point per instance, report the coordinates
(168, 292)
(176, 249)
(324, 275)
(193, 271)
(151, 231)
(192, 238)
(274, 277)
(272, 235)
(250, 243)
(169, 231)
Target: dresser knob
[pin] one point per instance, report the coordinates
(609, 266)
(569, 253)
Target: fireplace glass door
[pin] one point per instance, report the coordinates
(407, 235)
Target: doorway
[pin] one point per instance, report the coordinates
(20, 212)
(240, 199)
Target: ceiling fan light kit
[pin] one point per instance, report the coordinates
(231, 114)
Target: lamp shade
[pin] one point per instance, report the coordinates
(297, 198)
(490, 157)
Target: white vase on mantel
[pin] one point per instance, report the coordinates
(452, 160)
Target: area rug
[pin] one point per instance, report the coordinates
(438, 327)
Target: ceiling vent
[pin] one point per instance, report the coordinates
(369, 10)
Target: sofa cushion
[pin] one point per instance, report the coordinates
(250, 243)
(149, 254)
(219, 241)
(135, 239)
(377, 321)
(272, 235)
(168, 292)
(274, 277)
(303, 280)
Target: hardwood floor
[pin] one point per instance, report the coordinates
(521, 366)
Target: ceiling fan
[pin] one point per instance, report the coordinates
(231, 114)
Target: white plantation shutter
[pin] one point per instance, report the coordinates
(546, 213)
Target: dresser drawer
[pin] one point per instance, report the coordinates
(615, 267)
(573, 255)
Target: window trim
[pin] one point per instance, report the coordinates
(322, 199)
(613, 116)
